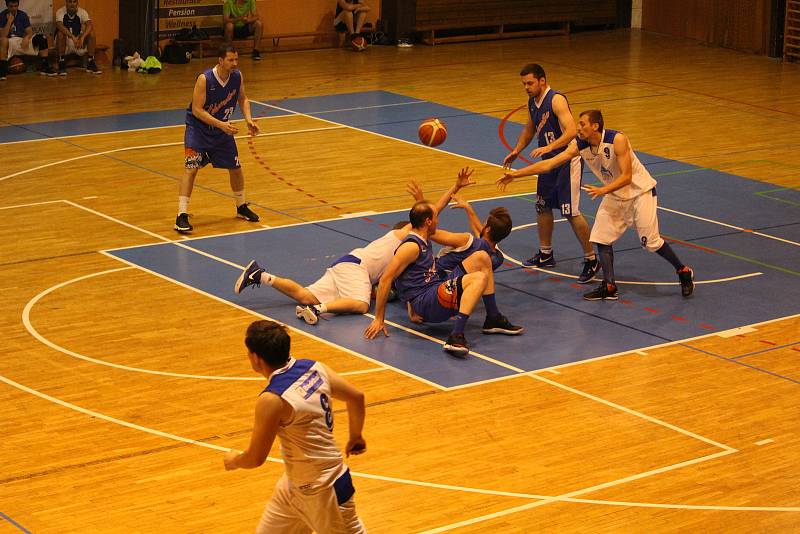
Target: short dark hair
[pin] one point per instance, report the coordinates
(421, 210)
(595, 117)
(11, 2)
(222, 53)
(269, 341)
(499, 224)
(533, 68)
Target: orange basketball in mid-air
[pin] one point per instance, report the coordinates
(16, 65)
(432, 132)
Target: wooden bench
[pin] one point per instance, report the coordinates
(245, 45)
(481, 31)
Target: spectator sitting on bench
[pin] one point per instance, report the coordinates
(17, 39)
(350, 16)
(75, 35)
(242, 21)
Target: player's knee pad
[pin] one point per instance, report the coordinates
(652, 245)
(39, 42)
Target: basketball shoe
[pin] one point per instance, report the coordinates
(307, 313)
(251, 275)
(603, 292)
(540, 260)
(589, 270)
(246, 213)
(686, 276)
(456, 345)
(182, 223)
(499, 324)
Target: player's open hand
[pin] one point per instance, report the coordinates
(374, 327)
(355, 446)
(539, 151)
(593, 191)
(230, 460)
(229, 128)
(504, 180)
(413, 188)
(252, 128)
(463, 178)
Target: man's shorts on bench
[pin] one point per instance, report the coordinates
(439, 302)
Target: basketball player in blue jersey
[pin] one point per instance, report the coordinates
(431, 297)
(629, 198)
(316, 490)
(550, 121)
(209, 132)
(484, 236)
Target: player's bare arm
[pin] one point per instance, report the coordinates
(525, 138)
(475, 223)
(405, 254)
(451, 239)
(539, 167)
(568, 128)
(244, 104)
(343, 390)
(623, 153)
(270, 410)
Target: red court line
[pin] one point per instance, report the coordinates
(687, 244)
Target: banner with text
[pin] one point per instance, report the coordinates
(41, 14)
(174, 15)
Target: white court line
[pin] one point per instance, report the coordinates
(765, 441)
(745, 230)
(632, 412)
(290, 327)
(574, 277)
(114, 132)
(141, 147)
(543, 499)
(26, 321)
(315, 113)
(363, 371)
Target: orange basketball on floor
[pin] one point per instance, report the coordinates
(16, 65)
(358, 43)
(432, 132)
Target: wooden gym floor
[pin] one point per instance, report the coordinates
(669, 440)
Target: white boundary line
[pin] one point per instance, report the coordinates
(542, 499)
(157, 145)
(290, 327)
(315, 113)
(35, 333)
(745, 230)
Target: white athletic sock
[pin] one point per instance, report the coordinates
(546, 251)
(267, 278)
(183, 204)
(322, 308)
(590, 256)
(239, 196)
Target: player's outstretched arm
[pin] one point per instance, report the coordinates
(539, 167)
(451, 239)
(343, 390)
(403, 256)
(269, 409)
(475, 223)
(525, 138)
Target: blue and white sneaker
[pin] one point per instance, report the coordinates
(249, 277)
(540, 260)
(307, 313)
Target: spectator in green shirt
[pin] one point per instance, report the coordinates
(242, 21)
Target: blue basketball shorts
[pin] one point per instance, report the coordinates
(439, 302)
(561, 189)
(201, 149)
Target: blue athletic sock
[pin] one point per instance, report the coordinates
(491, 305)
(461, 322)
(605, 255)
(668, 254)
